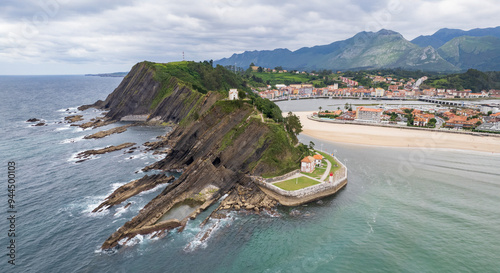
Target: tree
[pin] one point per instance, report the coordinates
(346, 106)
(260, 69)
(410, 120)
(489, 113)
(293, 126)
(252, 64)
(320, 109)
(432, 122)
(311, 145)
(278, 68)
(242, 94)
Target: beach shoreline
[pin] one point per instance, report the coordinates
(395, 137)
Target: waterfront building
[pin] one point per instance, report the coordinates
(369, 114)
(307, 164)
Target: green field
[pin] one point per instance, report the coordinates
(296, 183)
(332, 160)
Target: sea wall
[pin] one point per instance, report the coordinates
(302, 196)
(283, 177)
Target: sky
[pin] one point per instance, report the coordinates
(42, 37)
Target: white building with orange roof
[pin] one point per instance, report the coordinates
(318, 159)
(307, 164)
(369, 114)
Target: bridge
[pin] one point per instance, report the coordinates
(335, 97)
(443, 102)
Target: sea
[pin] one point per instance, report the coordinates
(403, 209)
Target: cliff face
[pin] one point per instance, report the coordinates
(217, 144)
(142, 92)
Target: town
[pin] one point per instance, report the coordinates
(454, 114)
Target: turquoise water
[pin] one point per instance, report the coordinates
(403, 210)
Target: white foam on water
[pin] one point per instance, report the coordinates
(153, 189)
(71, 140)
(138, 239)
(223, 197)
(92, 202)
(74, 158)
(115, 186)
(77, 129)
(71, 109)
(121, 210)
(271, 213)
(201, 239)
(65, 127)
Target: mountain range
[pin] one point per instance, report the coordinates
(447, 50)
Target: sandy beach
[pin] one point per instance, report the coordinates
(394, 137)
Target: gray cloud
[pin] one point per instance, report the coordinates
(85, 36)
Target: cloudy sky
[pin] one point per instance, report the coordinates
(95, 36)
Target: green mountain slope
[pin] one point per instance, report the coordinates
(482, 53)
(366, 50)
(445, 35)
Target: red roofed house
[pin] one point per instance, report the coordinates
(317, 159)
(307, 164)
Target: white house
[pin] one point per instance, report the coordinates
(233, 94)
(307, 164)
(317, 159)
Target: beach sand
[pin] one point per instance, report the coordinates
(395, 137)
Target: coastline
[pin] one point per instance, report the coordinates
(395, 137)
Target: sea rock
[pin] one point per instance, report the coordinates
(40, 124)
(33, 120)
(108, 149)
(133, 188)
(75, 118)
(101, 134)
(97, 123)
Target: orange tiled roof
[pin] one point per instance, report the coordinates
(308, 159)
(369, 109)
(495, 115)
(317, 156)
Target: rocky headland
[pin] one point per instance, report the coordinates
(217, 144)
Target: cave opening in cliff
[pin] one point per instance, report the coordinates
(216, 162)
(189, 161)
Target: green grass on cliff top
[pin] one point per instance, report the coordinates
(201, 77)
